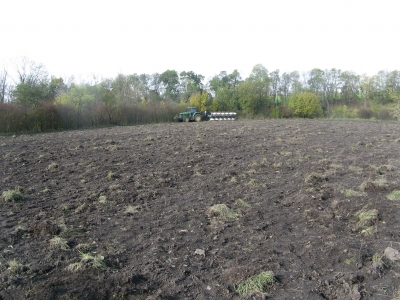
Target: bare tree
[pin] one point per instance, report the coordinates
(3, 85)
(29, 71)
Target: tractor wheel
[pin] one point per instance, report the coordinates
(197, 118)
(186, 119)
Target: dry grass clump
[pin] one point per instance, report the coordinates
(314, 178)
(241, 202)
(367, 217)
(87, 261)
(355, 169)
(14, 265)
(253, 183)
(84, 246)
(377, 261)
(52, 166)
(130, 210)
(58, 242)
(368, 230)
(379, 184)
(353, 193)
(102, 199)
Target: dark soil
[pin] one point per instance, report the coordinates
(131, 208)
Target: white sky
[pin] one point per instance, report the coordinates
(107, 37)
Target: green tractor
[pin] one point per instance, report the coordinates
(193, 115)
(190, 115)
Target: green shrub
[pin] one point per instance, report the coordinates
(306, 105)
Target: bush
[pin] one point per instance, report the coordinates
(287, 112)
(306, 105)
(275, 112)
(383, 114)
(365, 113)
(344, 112)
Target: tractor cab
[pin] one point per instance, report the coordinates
(192, 110)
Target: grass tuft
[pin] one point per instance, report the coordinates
(277, 165)
(103, 199)
(315, 177)
(96, 261)
(222, 211)
(356, 169)
(111, 175)
(240, 202)
(367, 217)
(130, 210)
(14, 265)
(255, 283)
(12, 195)
(395, 195)
(52, 166)
(84, 246)
(369, 184)
(349, 261)
(368, 230)
(58, 242)
(377, 261)
(87, 261)
(353, 193)
(264, 161)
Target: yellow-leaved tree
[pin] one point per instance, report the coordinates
(306, 105)
(201, 101)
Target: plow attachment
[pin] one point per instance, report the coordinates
(223, 116)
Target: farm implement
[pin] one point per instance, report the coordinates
(192, 115)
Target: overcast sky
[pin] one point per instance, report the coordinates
(107, 37)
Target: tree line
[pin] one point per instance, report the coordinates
(31, 100)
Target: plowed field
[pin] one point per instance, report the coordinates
(191, 211)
